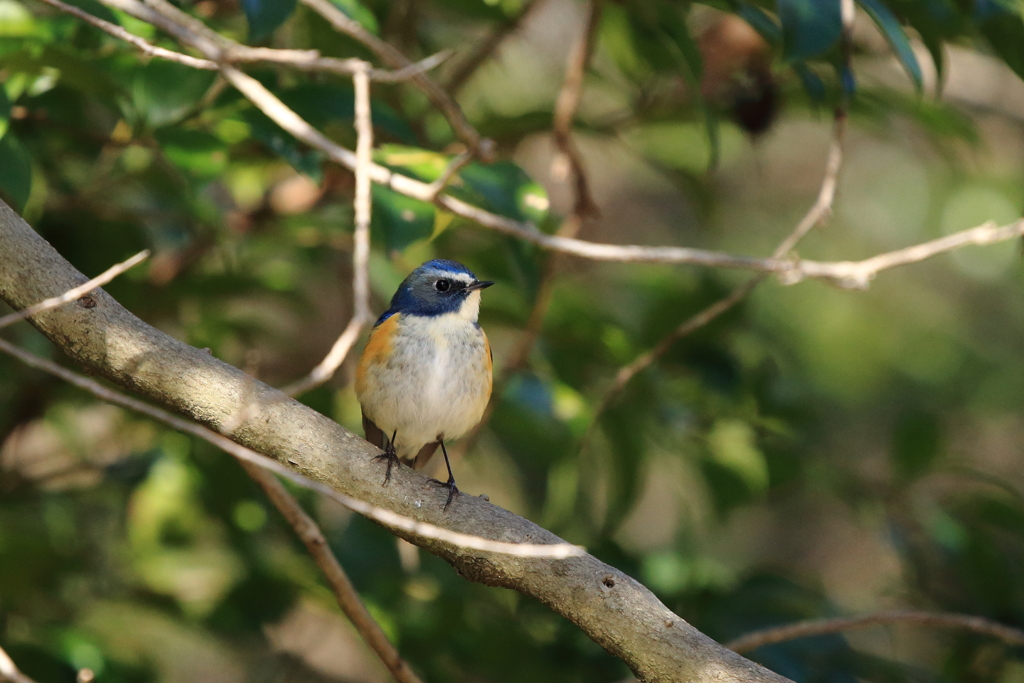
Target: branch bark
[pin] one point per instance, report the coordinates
(817, 627)
(616, 611)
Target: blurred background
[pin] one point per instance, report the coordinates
(815, 452)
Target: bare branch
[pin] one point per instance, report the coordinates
(144, 46)
(303, 60)
(76, 293)
(378, 514)
(361, 245)
(819, 211)
(448, 174)
(487, 47)
(396, 60)
(344, 592)
(615, 610)
(9, 672)
(818, 627)
(565, 110)
(844, 274)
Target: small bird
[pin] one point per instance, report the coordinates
(425, 374)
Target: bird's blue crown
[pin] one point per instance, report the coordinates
(435, 288)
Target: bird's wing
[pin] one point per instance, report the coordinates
(374, 434)
(423, 457)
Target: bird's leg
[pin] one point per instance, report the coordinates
(452, 489)
(391, 455)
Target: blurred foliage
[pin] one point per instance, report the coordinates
(811, 453)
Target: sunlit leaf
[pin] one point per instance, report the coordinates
(197, 152)
(15, 20)
(359, 12)
(398, 221)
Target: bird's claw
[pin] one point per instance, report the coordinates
(391, 456)
(452, 490)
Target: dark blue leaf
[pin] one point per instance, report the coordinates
(266, 15)
(1003, 28)
(809, 27)
(896, 36)
(761, 21)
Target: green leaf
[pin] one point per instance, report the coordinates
(809, 27)
(198, 153)
(733, 445)
(15, 172)
(282, 143)
(15, 20)
(163, 92)
(896, 36)
(96, 9)
(357, 11)
(399, 220)
(322, 104)
(916, 443)
(5, 112)
(1004, 31)
(506, 189)
(266, 15)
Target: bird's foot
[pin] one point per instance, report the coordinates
(452, 490)
(391, 456)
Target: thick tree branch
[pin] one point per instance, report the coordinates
(613, 609)
(818, 627)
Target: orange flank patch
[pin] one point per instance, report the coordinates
(490, 360)
(377, 350)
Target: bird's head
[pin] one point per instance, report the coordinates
(439, 287)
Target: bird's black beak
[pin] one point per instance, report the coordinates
(474, 286)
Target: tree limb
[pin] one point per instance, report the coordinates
(616, 611)
(818, 627)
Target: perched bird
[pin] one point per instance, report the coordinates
(425, 374)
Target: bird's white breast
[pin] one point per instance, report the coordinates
(435, 382)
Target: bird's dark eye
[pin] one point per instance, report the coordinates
(443, 285)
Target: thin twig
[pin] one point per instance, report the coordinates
(143, 45)
(385, 517)
(449, 173)
(76, 293)
(817, 627)
(344, 592)
(396, 60)
(303, 60)
(816, 215)
(487, 47)
(9, 672)
(361, 245)
(846, 274)
(568, 103)
(584, 208)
